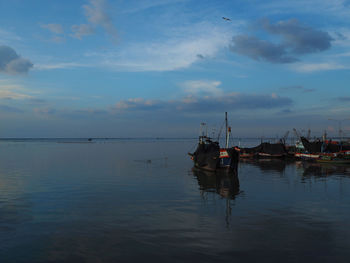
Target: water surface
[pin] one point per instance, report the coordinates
(137, 200)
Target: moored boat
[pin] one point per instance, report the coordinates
(209, 156)
(324, 151)
(264, 150)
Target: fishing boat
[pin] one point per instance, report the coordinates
(325, 151)
(210, 156)
(264, 150)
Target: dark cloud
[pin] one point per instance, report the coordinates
(207, 104)
(141, 104)
(343, 99)
(258, 49)
(5, 108)
(36, 100)
(296, 40)
(340, 36)
(45, 111)
(300, 39)
(234, 102)
(286, 111)
(12, 63)
(297, 88)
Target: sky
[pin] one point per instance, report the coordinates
(103, 68)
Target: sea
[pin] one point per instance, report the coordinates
(140, 200)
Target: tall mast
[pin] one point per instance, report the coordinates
(226, 144)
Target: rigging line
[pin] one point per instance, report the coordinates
(222, 126)
(192, 148)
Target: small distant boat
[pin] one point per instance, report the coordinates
(210, 157)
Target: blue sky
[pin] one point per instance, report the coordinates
(98, 68)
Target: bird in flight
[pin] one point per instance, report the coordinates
(225, 18)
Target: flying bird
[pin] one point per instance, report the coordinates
(225, 18)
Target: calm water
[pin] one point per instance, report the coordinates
(139, 200)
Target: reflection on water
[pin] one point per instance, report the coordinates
(309, 169)
(225, 184)
(132, 201)
(268, 165)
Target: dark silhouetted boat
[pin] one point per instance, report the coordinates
(210, 156)
(325, 151)
(264, 150)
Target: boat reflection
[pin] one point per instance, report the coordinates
(310, 169)
(268, 165)
(224, 184)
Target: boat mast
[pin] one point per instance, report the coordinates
(227, 138)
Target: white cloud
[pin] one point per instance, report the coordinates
(308, 68)
(9, 90)
(8, 37)
(146, 4)
(54, 28)
(194, 103)
(79, 31)
(62, 65)
(96, 13)
(169, 54)
(336, 8)
(202, 87)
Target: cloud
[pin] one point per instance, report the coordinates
(5, 108)
(36, 101)
(45, 111)
(58, 39)
(8, 37)
(140, 104)
(297, 88)
(167, 54)
(285, 111)
(96, 13)
(260, 50)
(79, 31)
(296, 40)
(12, 95)
(308, 68)
(188, 104)
(202, 87)
(300, 39)
(63, 65)
(10, 91)
(12, 63)
(54, 28)
(340, 36)
(336, 8)
(343, 99)
(146, 4)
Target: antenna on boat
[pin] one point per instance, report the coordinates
(227, 131)
(324, 136)
(308, 134)
(340, 124)
(203, 132)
